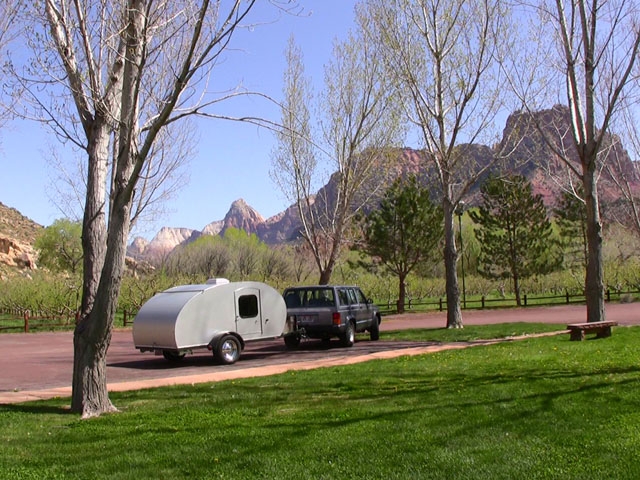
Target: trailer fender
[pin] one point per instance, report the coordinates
(218, 336)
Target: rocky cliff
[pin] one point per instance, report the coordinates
(161, 245)
(17, 236)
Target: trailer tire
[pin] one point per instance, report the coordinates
(173, 356)
(227, 350)
(348, 338)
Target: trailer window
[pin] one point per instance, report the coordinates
(248, 306)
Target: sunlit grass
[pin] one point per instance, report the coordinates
(536, 408)
(471, 332)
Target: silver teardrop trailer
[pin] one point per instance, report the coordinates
(218, 315)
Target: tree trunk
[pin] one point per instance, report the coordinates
(94, 225)
(594, 282)
(454, 313)
(402, 291)
(93, 333)
(90, 396)
(516, 289)
(91, 340)
(325, 276)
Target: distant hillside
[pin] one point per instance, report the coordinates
(16, 226)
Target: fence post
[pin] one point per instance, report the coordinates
(482, 301)
(566, 294)
(26, 321)
(440, 302)
(124, 319)
(608, 295)
(525, 299)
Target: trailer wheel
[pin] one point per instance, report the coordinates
(172, 356)
(227, 350)
(348, 338)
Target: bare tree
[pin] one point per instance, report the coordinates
(445, 56)
(625, 174)
(594, 67)
(357, 126)
(130, 69)
(9, 30)
(164, 175)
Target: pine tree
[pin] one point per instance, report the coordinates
(514, 232)
(404, 231)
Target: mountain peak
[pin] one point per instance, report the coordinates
(242, 216)
(239, 203)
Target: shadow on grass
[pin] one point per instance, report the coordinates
(439, 407)
(35, 408)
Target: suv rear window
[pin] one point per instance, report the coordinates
(343, 296)
(309, 297)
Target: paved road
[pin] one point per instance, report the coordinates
(37, 362)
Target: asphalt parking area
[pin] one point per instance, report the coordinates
(40, 365)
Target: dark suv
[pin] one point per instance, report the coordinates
(324, 311)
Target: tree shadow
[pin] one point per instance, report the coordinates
(36, 408)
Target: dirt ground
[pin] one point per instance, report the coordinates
(39, 365)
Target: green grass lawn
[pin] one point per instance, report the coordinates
(469, 333)
(536, 408)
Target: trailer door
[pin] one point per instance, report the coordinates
(248, 312)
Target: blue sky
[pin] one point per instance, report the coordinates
(232, 159)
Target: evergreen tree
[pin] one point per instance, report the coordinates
(404, 231)
(514, 232)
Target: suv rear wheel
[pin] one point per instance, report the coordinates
(374, 331)
(292, 341)
(348, 338)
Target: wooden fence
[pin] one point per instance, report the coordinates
(24, 320)
(483, 302)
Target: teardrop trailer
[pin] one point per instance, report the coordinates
(219, 315)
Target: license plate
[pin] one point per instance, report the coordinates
(307, 318)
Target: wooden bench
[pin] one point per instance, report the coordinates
(601, 329)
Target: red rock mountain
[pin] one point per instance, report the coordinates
(529, 155)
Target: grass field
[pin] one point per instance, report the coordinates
(542, 408)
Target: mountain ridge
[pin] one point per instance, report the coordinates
(530, 157)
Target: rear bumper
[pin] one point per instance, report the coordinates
(321, 331)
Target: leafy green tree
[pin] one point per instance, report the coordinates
(571, 215)
(404, 231)
(247, 252)
(276, 265)
(514, 232)
(206, 257)
(60, 246)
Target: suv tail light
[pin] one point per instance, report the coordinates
(337, 320)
